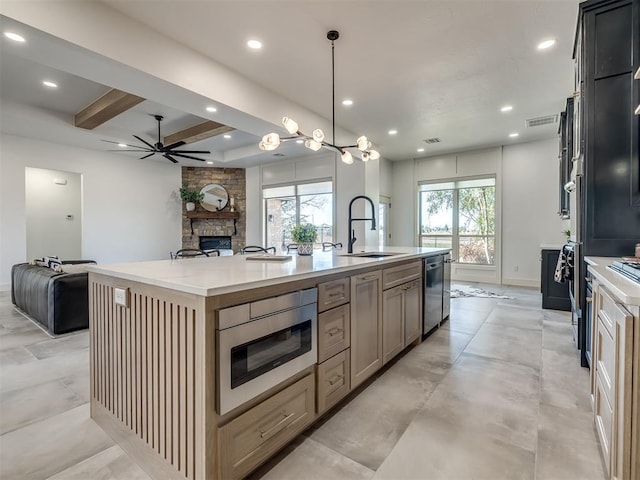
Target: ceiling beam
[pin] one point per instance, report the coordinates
(112, 103)
(197, 132)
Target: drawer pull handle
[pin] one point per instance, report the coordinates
(285, 417)
(335, 380)
(334, 294)
(334, 331)
(369, 277)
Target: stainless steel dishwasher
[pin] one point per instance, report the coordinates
(433, 290)
(446, 287)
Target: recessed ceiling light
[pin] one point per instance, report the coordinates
(347, 102)
(227, 136)
(212, 109)
(546, 44)
(514, 134)
(393, 132)
(506, 108)
(255, 44)
(209, 163)
(49, 84)
(14, 36)
(300, 141)
(122, 145)
(420, 150)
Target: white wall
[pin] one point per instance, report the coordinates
(53, 206)
(530, 205)
(131, 210)
(526, 205)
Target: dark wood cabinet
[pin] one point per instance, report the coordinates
(609, 33)
(554, 295)
(606, 138)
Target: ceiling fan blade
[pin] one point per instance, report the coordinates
(174, 145)
(145, 142)
(169, 157)
(125, 144)
(203, 152)
(147, 156)
(125, 150)
(187, 156)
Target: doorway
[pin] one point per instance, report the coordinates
(53, 208)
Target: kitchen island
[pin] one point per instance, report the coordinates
(161, 383)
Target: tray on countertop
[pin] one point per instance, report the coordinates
(267, 257)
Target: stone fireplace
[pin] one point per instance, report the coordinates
(225, 230)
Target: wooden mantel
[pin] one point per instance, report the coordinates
(224, 215)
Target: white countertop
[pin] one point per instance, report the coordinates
(219, 275)
(625, 289)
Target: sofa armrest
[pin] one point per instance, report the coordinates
(68, 302)
(29, 287)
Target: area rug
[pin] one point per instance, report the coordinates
(460, 291)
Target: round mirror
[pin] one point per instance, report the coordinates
(216, 197)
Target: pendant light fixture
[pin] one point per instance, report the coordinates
(317, 140)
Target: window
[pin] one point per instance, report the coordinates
(288, 205)
(460, 215)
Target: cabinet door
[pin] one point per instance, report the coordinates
(412, 312)
(366, 326)
(392, 322)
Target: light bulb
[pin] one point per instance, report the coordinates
(346, 157)
(271, 141)
(365, 156)
(312, 145)
(318, 135)
(363, 143)
(290, 124)
(374, 155)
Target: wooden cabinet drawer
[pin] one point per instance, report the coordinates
(394, 276)
(333, 380)
(333, 332)
(254, 436)
(609, 311)
(604, 423)
(606, 360)
(332, 294)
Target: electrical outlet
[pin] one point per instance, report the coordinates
(515, 268)
(121, 296)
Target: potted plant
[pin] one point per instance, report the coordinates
(191, 196)
(567, 233)
(305, 236)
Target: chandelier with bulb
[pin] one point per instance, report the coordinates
(317, 139)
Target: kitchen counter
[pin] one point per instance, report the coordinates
(220, 275)
(626, 290)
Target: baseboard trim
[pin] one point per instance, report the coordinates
(520, 282)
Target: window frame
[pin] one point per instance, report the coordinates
(295, 185)
(455, 223)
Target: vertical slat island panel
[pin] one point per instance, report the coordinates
(148, 387)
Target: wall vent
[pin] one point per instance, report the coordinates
(432, 140)
(539, 121)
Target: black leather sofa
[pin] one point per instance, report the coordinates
(58, 301)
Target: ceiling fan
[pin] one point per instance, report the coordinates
(167, 151)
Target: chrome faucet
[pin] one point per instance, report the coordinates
(352, 233)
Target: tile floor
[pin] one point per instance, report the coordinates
(496, 393)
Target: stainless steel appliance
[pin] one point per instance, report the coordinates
(433, 292)
(629, 269)
(446, 287)
(263, 343)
